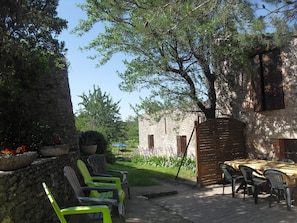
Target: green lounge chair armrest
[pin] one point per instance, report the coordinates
(99, 189)
(102, 175)
(100, 184)
(97, 201)
(85, 209)
(116, 180)
(117, 171)
(115, 191)
(108, 179)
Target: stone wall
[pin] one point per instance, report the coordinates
(22, 197)
(55, 107)
(266, 127)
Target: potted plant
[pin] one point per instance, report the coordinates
(51, 143)
(12, 159)
(88, 142)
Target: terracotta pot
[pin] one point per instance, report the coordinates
(56, 150)
(89, 150)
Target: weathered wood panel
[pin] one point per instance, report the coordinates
(217, 140)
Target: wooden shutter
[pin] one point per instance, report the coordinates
(273, 80)
(257, 84)
(267, 82)
(181, 144)
(151, 141)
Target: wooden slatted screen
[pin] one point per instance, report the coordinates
(217, 140)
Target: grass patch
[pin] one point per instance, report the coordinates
(144, 175)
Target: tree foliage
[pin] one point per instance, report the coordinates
(28, 51)
(28, 34)
(281, 11)
(176, 46)
(99, 113)
(132, 133)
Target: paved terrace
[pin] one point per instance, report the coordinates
(186, 203)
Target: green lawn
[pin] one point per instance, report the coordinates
(143, 175)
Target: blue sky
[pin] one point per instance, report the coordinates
(83, 73)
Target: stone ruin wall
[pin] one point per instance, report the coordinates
(46, 99)
(165, 134)
(56, 105)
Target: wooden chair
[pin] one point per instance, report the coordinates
(253, 181)
(98, 165)
(100, 211)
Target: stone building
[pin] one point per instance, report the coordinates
(264, 99)
(168, 136)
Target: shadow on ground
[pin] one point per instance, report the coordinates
(186, 203)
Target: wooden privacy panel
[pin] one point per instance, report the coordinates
(217, 140)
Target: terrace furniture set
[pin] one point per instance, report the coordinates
(279, 177)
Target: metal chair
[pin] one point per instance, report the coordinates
(100, 211)
(277, 182)
(252, 180)
(230, 175)
(98, 162)
(117, 209)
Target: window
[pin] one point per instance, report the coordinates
(267, 82)
(181, 145)
(150, 141)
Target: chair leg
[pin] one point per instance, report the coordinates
(233, 187)
(129, 195)
(224, 185)
(278, 195)
(239, 187)
(256, 194)
(270, 197)
(244, 190)
(287, 194)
